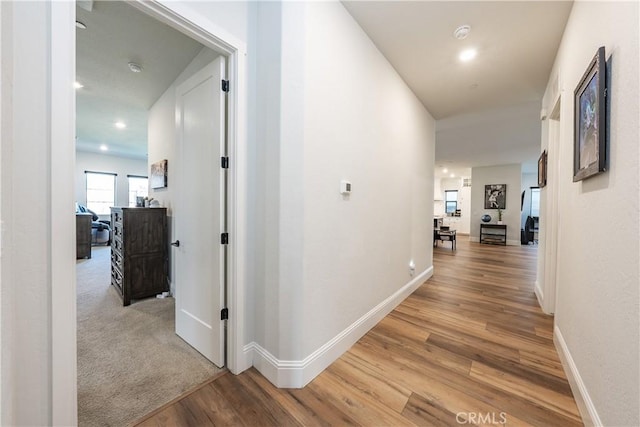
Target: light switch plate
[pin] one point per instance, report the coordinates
(345, 187)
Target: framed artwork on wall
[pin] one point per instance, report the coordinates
(589, 147)
(542, 169)
(495, 196)
(158, 175)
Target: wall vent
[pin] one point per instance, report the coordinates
(466, 182)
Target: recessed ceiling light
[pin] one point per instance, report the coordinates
(136, 68)
(462, 32)
(78, 85)
(453, 175)
(81, 25)
(445, 170)
(467, 55)
(104, 147)
(120, 125)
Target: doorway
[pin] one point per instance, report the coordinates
(548, 239)
(234, 52)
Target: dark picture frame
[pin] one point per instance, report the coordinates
(158, 175)
(590, 135)
(542, 169)
(495, 196)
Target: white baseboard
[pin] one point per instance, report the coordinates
(580, 393)
(539, 294)
(246, 361)
(298, 373)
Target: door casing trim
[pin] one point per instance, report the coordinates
(200, 29)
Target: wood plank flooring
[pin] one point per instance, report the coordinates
(469, 347)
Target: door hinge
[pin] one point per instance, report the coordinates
(224, 314)
(224, 162)
(224, 238)
(225, 85)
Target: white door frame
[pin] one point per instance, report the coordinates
(553, 213)
(546, 289)
(183, 19)
(63, 299)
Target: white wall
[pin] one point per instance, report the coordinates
(328, 261)
(528, 180)
(505, 174)
(122, 166)
(37, 286)
(368, 127)
(597, 306)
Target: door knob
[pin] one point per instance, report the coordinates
(176, 243)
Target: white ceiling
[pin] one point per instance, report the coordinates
(488, 109)
(117, 34)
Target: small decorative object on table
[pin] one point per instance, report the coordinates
(485, 218)
(499, 216)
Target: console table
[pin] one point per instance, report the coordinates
(493, 234)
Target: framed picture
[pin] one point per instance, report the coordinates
(495, 196)
(589, 147)
(542, 169)
(158, 175)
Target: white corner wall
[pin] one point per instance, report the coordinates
(505, 174)
(37, 225)
(95, 162)
(335, 109)
(598, 255)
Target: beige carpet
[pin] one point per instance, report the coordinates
(130, 361)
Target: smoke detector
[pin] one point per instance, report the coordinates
(135, 67)
(462, 32)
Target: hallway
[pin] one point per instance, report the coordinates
(470, 346)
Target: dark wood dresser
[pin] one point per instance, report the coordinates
(139, 252)
(83, 235)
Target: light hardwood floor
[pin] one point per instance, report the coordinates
(469, 347)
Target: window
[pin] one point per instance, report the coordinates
(450, 201)
(101, 191)
(138, 187)
(535, 201)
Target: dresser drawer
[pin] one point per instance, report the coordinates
(116, 244)
(116, 279)
(117, 230)
(117, 261)
(116, 216)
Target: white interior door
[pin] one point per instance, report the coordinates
(200, 212)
